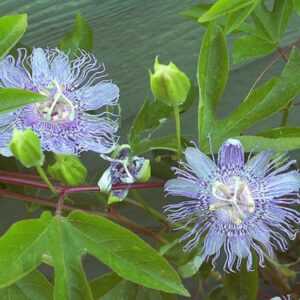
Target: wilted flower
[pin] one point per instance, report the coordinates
(124, 169)
(235, 205)
(73, 88)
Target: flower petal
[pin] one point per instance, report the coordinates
(200, 164)
(94, 97)
(60, 68)
(41, 74)
(182, 187)
(258, 165)
(231, 155)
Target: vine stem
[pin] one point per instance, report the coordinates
(46, 180)
(178, 134)
(112, 216)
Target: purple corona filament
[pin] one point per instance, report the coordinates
(73, 88)
(235, 206)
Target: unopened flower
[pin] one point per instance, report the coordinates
(73, 88)
(124, 169)
(235, 205)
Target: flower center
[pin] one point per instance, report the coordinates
(235, 199)
(58, 107)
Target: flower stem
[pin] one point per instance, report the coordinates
(178, 134)
(46, 180)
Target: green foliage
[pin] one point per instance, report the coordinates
(12, 29)
(81, 37)
(223, 7)
(11, 99)
(212, 76)
(23, 246)
(242, 284)
(33, 286)
(114, 287)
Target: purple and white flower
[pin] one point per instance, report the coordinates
(124, 169)
(73, 88)
(235, 205)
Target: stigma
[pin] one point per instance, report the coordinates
(58, 107)
(234, 200)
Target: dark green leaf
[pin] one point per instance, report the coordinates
(102, 285)
(152, 115)
(12, 29)
(242, 285)
(23, 246)
(223, 7)
(281, 132)
(236, 18)
(147, 145)
(11, 99)
(191, 268)
(259, 143)
(212, 76)
(32, 286)
(81, 37)
(261, 103)
(196, 11)
(247, 47)
(297, 6)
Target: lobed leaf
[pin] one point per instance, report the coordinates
(66, 240)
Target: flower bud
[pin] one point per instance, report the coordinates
(26, 147)
(68, 169)
(144, 173)
(169, 84)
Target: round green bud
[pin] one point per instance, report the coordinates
(68, 169)
(169, 84)
(145, 172)
(26, 147)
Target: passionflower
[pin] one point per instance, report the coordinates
(124, 169)
(73, 87)
(235, 206)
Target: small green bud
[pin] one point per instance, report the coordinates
(145, 172)
(169, 84)
(26, 147)
(68, 169)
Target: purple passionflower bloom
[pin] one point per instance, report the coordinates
(73, 88)
(235, 205)
(124, 169)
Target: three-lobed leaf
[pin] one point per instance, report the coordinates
(67, 239)
(12, 29)
(11, 99)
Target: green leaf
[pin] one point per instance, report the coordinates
(192, 267)
(236, 18)
(111, 287)
(242, 284)
(67, 239)
(259, 143)
(166, 143)
(152, 115)
(81, 37)
(261, 103)
(281, 132)
(222, 7)
(196, 11)
(297, 6)
(32, 286)
(212, 76)
(102, 285)
(11, 99)
(12, 29)
(247, 47)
